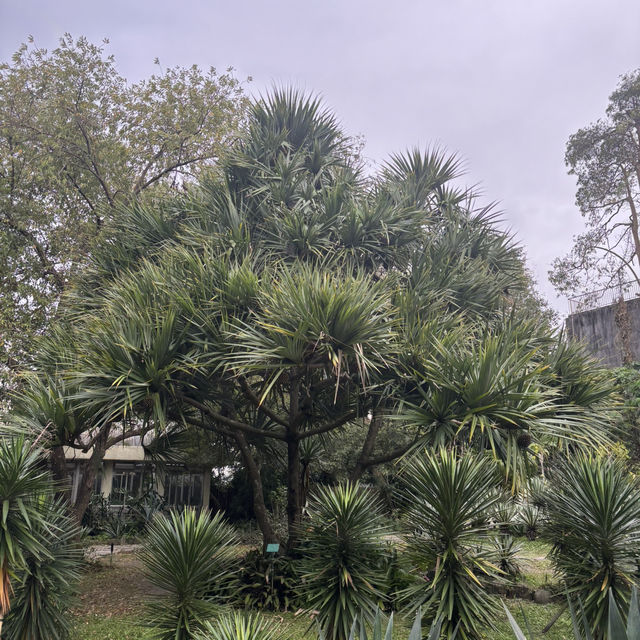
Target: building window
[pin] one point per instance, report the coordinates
(125, 484)
(183, 489)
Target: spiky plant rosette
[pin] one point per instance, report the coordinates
(340, 567)
(448, 500)
(190, 557)
(594, 526)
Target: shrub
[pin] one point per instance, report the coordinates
(342, 548)
(506, 552)
(594, 525)
(45, 584)
(266, 583)
(616, 629)
(530, 520)
(191, 558)
(237, 626)
(449, 501)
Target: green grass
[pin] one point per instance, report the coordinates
(113, 596)
(116, 628)
(295, 628)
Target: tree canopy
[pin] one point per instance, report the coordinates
(77, 141)
(290, 295)
(605, 158)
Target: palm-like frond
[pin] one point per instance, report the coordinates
(45, 585)
(594, 524)
(189, 556)
(311, 317)
(238, 626)
(22, 482)
(416, 179)
(342, 547)
(448, 500)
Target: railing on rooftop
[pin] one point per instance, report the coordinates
(604, 297)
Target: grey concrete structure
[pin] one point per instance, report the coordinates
(611, 332)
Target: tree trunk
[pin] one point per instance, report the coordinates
(368, 444)
(294, 504)
(259, 508)
(294, 479)
(59, 472)
(90, 470)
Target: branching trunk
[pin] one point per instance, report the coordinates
(294, 479)
(368, 445)
(90, 471)
(59, 472)
(259, 508)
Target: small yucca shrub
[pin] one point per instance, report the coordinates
(46, 584)
(616, 629)
(238, 626)
(449, 500)
(342, 548)
(594, 526)
(191, 557)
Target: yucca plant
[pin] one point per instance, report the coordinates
(22, 483)
(46, 584)
(189, 556)
(448, 502)
(530, 520)
(594, 525)
(506, 552)
(360, 629)
(238, 626)
(341, 575)
(505, 515)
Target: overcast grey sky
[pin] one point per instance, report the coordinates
(501, 82)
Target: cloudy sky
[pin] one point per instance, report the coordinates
(501, 82)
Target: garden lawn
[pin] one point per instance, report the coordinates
(112, 595)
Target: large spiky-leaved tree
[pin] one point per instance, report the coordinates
(289, 295)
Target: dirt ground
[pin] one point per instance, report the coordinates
(112, 586)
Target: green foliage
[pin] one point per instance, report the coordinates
(23, 482)
(530, 520)
(239, 626)
(76, 141)
(340, 574)
(359, 629)
(506, 555)
(448, 501)
(628, 379)
(46, 584)
(266, 583)
(286, 297)
(190, 556)
(594, 525)
(615, 626)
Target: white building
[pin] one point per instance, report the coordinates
(127, 472)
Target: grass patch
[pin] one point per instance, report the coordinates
(113, 593)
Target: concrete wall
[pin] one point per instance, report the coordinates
(603, 331)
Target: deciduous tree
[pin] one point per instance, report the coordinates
(605, 158)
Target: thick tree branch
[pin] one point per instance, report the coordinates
(230, 422)
(329, 426)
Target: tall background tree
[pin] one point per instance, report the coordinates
(77, 141)
(605, 158)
